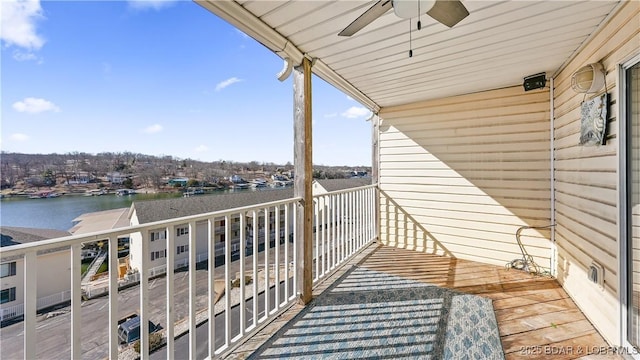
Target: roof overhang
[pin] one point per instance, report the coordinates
(496, 46)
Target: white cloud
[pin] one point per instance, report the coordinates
(18, 23)
(150, 4)
(349, 98)
(19, 137)
(25, 56)
(223, 84)
(35, 105)
(201, 148)
(355, 112)
(152, 129)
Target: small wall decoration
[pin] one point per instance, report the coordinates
(594, 121)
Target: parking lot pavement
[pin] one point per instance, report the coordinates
(53, 331)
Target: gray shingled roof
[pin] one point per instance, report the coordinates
(20, 235)
(157, 210)
(342, 184)
(11, 235)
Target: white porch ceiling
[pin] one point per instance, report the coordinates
(497, 45)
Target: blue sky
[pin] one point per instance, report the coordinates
(159, 78)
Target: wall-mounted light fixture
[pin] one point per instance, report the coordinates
(588, 79)
(537, 81)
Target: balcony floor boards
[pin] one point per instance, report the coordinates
(535, 315)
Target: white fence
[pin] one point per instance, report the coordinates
(13, 311)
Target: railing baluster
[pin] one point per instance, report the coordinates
(358, 205)
(254, 258)
(324, 234)
(333, 230)
(192, 288)
(267, 244)
(227, 279)
(316, 227)
(346, 226)
(144, 297)
(76, 301)
(352, 224)
(113, 297)
(286, 253)
(294, 217)
(170, 266)
(277, 257)
(349, 224)
(354, 221)
(212, 286)
(30, 295)
(242, 305)
(340, 221)
(367, 210)
(369, 215)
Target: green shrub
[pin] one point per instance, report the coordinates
(236, 282)
(156, 340)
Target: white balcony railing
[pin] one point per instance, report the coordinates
(262, 270)
(344, 222)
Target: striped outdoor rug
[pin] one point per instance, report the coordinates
(373, 315)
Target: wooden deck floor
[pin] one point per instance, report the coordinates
(536, 317)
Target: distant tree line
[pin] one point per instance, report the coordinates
(143, 170)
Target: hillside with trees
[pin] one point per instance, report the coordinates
(78, 172)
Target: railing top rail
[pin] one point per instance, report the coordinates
(346, 190)
(67, 241)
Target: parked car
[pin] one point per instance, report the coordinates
(129, 328)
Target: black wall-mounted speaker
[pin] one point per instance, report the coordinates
(537, 81)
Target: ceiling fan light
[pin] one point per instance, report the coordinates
(407, 9)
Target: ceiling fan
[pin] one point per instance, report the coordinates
(447, 12)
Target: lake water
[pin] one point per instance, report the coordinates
(58, 213)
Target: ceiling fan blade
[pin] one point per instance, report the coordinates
(448, 12)
(374, 12)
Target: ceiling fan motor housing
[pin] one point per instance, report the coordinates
(407, 9)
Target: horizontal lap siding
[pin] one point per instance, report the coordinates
(460, 175)
(586, 178)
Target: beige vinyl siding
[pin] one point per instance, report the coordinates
(586, 178)
(460, 175)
